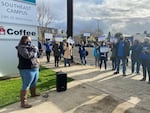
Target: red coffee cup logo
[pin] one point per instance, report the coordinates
(2, 30)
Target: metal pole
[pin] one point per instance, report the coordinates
(69, 18)
(98, 27)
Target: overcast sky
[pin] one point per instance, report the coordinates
(127, 16)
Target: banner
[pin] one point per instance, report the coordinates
(113, 39)
(49, 36)
(102, 38)
(70, 40)
(87, 34)
(58, 39)
(104, 49)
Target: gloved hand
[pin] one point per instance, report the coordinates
(35, 49)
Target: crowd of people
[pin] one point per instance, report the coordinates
(120, 51)
(59, 49)
(139, 52)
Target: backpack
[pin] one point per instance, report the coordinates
(86, 53)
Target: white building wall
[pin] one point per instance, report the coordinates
(17, 18)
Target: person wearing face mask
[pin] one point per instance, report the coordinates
(28, 68)
(48, 46)
(103, 55)
(121, 53)
(145, 59)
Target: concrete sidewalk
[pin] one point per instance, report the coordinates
(92, 91)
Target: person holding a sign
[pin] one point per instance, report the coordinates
(103, 54)
(48, 46)
(82, 53)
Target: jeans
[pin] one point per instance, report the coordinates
(123, 64)
(48, 55)
(137, 63)
(97, 61)
(146, 68)
(56, 58)
(114, 63)
(66, 61)
(29, 77)
(101, 61)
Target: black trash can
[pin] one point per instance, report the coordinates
(61, 81)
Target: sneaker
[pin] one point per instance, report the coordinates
(148, 82)
(138, 73)
(116, 73)
(142, 79)
(124, 75)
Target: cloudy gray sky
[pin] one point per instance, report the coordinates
(127, 16)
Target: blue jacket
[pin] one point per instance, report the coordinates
(48, 47)
(136, 50)
(144, 55)
(96, 52)
(82, 51)
(125, 49)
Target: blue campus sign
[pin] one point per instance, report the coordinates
(27, 1)
(32, 1)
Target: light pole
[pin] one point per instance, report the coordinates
(98, 29)
(69, 18)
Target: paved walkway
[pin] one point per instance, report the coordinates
(92, 91)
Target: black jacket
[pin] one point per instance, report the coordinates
(26, 56)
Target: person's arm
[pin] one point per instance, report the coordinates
(25, 53)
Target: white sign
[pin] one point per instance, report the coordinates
(13, 31)
(113, 39)
(49, 36)
(17, 12)
(104, 49)
(102, 38)
(58, 39)
(70, 40)
(87, 34)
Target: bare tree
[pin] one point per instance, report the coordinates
(44, 18)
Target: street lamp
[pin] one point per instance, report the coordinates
(98, 26)
(69, 18)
